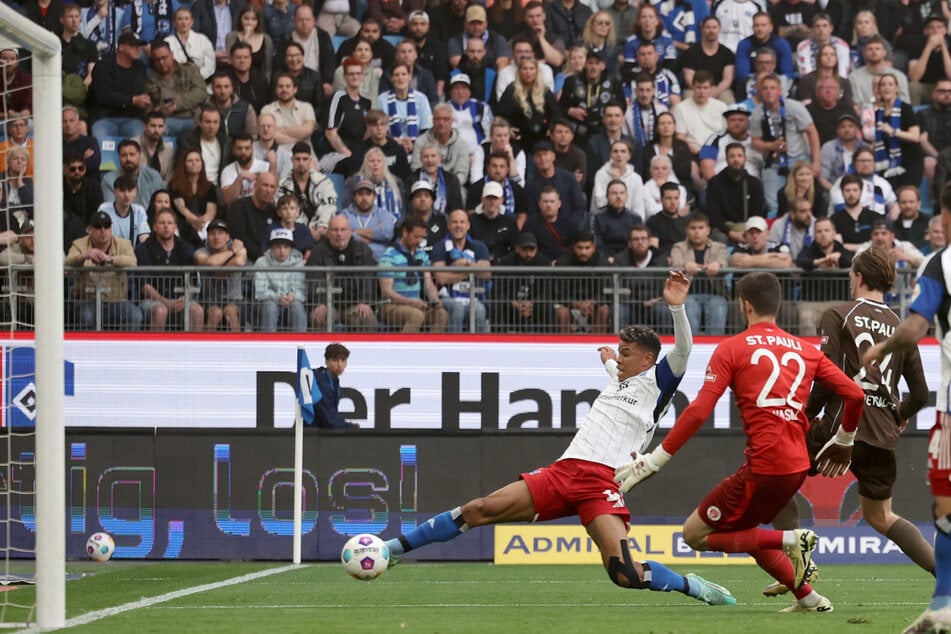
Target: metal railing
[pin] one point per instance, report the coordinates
(527, 300)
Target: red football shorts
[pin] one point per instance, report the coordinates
(939, 456)
(746, 499)
(575, 487)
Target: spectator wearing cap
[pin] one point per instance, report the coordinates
(756, 251)
(315, 193)
(431, 52)
(221, 291)
(612, 222)
(421, 199)
(733, 196)
(462, 292)
(408, 110)
(378, 136)
(454, 152)
(251, 218)
(358, 292)
(471, 117)
(904, 254)
(489, 226)
(713, 153)
(411, 298)
(521, 302)
(836, 154)
(513, 195)
(167, 295)
(279, 295)
(102, 257)
(288, 217)
(476, 28)
(574, 207)
(445, 184)
(584, 96)
(130, 219)
(369, 222)
(119, 100)
(524, 46)
(828, 107)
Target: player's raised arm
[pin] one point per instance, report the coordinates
(675, 294)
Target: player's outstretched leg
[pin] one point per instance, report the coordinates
(440, 528)
(659, 578)
(779, 567)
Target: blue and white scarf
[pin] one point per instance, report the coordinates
(888, 154)
(387, 200)
(161, 9)
(440, 192)
(476, 110)
(508, 195)
(777, 160)
(397, 129)
(643, 132)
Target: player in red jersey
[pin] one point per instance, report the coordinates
(770, 373)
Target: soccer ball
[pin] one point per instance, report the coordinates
(365, 557)
(100, 546)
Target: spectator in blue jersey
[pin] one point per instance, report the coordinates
(411, 299)
(150, 19)
(749, 47)
(408, 110)
(650, 29)
(682, 20)
(327, 377)
(458, 287)
(666, 87)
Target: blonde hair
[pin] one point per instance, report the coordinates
(588, 36)
(387, 175)
(524, 95)
(790, 188)
(855, 33)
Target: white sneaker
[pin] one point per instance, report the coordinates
(931, 621)
(824, 605)
(776, 588)
(801, 554)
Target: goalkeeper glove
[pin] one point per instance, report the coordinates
(834, 458)
(643, 467)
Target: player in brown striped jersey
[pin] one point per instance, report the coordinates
(846, 331)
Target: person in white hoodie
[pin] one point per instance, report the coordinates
(280, 294)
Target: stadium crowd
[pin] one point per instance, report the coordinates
(425, 138)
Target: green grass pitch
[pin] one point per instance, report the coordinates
(474, 597)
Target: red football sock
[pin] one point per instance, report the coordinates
(746, 541)
(778, 565)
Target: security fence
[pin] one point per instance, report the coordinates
(524, 300)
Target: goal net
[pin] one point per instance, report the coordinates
(32, 377)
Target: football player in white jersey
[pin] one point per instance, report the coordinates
(621, 420)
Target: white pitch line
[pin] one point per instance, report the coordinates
(91, 617)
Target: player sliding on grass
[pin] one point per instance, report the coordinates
(621, 419)
(770, 373)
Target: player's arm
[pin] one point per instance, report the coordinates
(608, 358)
(834, 458)
(931, 292)
(830, 333)
(917, 386)
(717, 379)
(675, 294)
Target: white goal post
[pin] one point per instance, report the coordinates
(48, 275)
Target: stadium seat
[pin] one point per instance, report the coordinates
(338, 40)
(393, 39)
